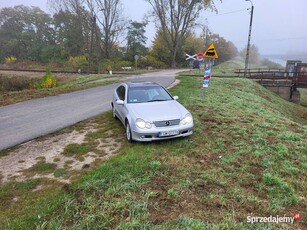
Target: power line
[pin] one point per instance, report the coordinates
(231, 12)
(282, 39)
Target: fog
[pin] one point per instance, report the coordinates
(278, 26)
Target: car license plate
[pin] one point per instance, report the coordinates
(169, 133)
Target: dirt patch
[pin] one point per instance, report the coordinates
(18, 164)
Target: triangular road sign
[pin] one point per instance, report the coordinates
(211, 52)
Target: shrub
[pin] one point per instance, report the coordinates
(10, 60)
(121, 64)
(77, 62)
(107, 65)
(15, 83)
(48, 80)
(151, 61)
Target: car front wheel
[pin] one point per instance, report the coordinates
(113, 110)
(128, 132)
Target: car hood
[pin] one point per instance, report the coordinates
(158, 111)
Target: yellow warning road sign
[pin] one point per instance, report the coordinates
(211, 52)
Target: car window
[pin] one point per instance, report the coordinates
(121, 92)
(147, 94)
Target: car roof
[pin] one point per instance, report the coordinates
(132, 84)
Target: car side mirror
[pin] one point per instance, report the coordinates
(176, 98)
(120, 102)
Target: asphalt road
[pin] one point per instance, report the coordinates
(25, 121)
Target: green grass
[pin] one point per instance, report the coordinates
(247, 157)
(225, 69)
(303, 99)
(42, 167)
(75, 149)
(18, 88)
(60, 172)
(80, 83)
(86, 81)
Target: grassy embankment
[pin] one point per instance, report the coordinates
(229, 68)
(247, 157)
(303, 97)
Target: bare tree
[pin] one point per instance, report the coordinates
(105, 13)
(205, 35)
(176, 18)
(108, 13)
(72, 6)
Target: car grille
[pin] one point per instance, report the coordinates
(166, 123)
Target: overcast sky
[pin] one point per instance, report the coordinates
(278, 25)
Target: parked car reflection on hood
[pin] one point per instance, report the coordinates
(149, 112)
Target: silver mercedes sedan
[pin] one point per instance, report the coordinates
(149, 112)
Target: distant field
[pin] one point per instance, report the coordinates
(247, 157)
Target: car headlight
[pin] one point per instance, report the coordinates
(187, 119)
(142, 124)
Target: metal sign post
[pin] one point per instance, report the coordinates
(136, 58)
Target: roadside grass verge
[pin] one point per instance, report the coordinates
(20, 86)
(247, 157)
(225, 69)
(17, 88)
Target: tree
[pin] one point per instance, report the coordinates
(136, 40)
(24, 31)
(78, 29)
(225, 49)
(69, 33)
(176, 18)
(108, 14)
(206, 35)
(160, 50)
(193, 45)
(253, 54)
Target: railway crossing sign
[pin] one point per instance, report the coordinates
(188, 57)
(200, 57)
(211, 52)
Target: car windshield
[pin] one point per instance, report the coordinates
(148, 94)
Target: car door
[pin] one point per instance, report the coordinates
(121, 94)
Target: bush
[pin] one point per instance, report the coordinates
(150, 61)
(78, 62)
(10, 60)
(107, 65)
(15, 83)
(121, 64)
(48, 80)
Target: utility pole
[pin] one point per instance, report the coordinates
(249, 38)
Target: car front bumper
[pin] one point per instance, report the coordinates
(162, 133)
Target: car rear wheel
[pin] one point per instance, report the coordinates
(128, 132)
